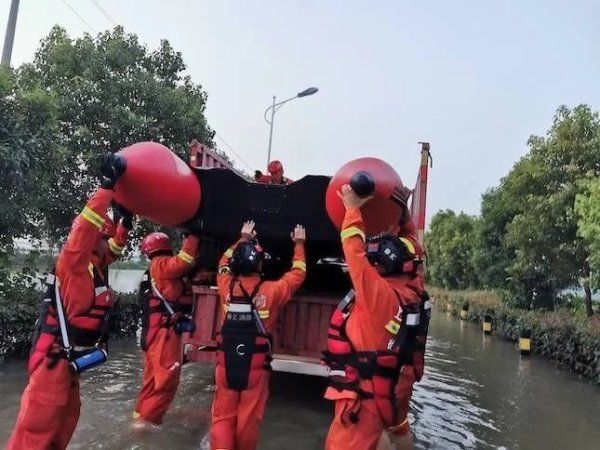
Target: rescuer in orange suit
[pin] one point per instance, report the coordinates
(166, 314)
(383, 271)
(410, 373)
(276, 170)
(250, 308)
(50, 403)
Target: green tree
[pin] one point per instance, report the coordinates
(450, 244)
(527, 239)
(587, 207)
(110, 92)
(27, 127)
(548, 253)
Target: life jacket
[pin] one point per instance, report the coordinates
(421, 339)
(85, 330)
(244, 346)
(154, 313)
(382, 366)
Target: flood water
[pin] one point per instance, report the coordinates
(478, 393)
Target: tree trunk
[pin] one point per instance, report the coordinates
(587, 297)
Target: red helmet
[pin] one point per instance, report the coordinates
(155, 242)
(275, 167)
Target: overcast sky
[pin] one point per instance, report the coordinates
(474, 78)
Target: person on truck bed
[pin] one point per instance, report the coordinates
(166, 314)
(73, 323)
(374, 336)
(250, 307)
(276, 170)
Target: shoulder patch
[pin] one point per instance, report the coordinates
(224, 270)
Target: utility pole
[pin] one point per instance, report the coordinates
(10, 33)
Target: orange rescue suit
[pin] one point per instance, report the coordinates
(237, 415)
(164, 357)
(377, 300)
(50, 403)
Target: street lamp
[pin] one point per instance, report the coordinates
(275, 106)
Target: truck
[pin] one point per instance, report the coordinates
(301, 331)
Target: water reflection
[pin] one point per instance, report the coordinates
(478, 393)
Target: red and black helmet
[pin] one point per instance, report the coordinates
(247, 258)
(156, 243)
(393, 254)
(275, 166)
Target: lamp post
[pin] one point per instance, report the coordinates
(275, 106)
(10, 33)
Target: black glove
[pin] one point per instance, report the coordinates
(123, 214)
(111, 169)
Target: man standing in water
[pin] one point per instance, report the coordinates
(166, 314)
(78, 300)
(374, 336)
(251, 307)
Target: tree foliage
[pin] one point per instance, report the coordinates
(529, 240)
(587, 207)
(450, 248)
(81, 98)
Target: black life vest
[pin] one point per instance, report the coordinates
(85, 330)
(153, 308)
(243, 344)
(382, 366)
(421, 340)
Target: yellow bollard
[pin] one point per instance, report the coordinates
(525, 342)
(487, 324)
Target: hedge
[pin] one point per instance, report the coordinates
(571, 340)
(17, 319)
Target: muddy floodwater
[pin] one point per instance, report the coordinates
(478, 393)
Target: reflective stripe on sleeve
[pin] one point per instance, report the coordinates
(186, 257)
(228, 253)
(264, 313)
(352, 231)
(92, 216)
(114, 247)
(299, 265)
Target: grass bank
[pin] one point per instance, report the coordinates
(571, 340)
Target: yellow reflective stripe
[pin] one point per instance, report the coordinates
(264, 313)
(225, 308)
(229, 253)
(352, 231)
(299, 265)
(393, 327)
(136, 414)
(91, 269)
(114, 247)
(92, 216)
(186, 257)
(409, 245)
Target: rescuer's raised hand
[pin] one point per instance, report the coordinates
(111, 169)
(298, 235)
(120, 213)
(351, 199)
(248, 233)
